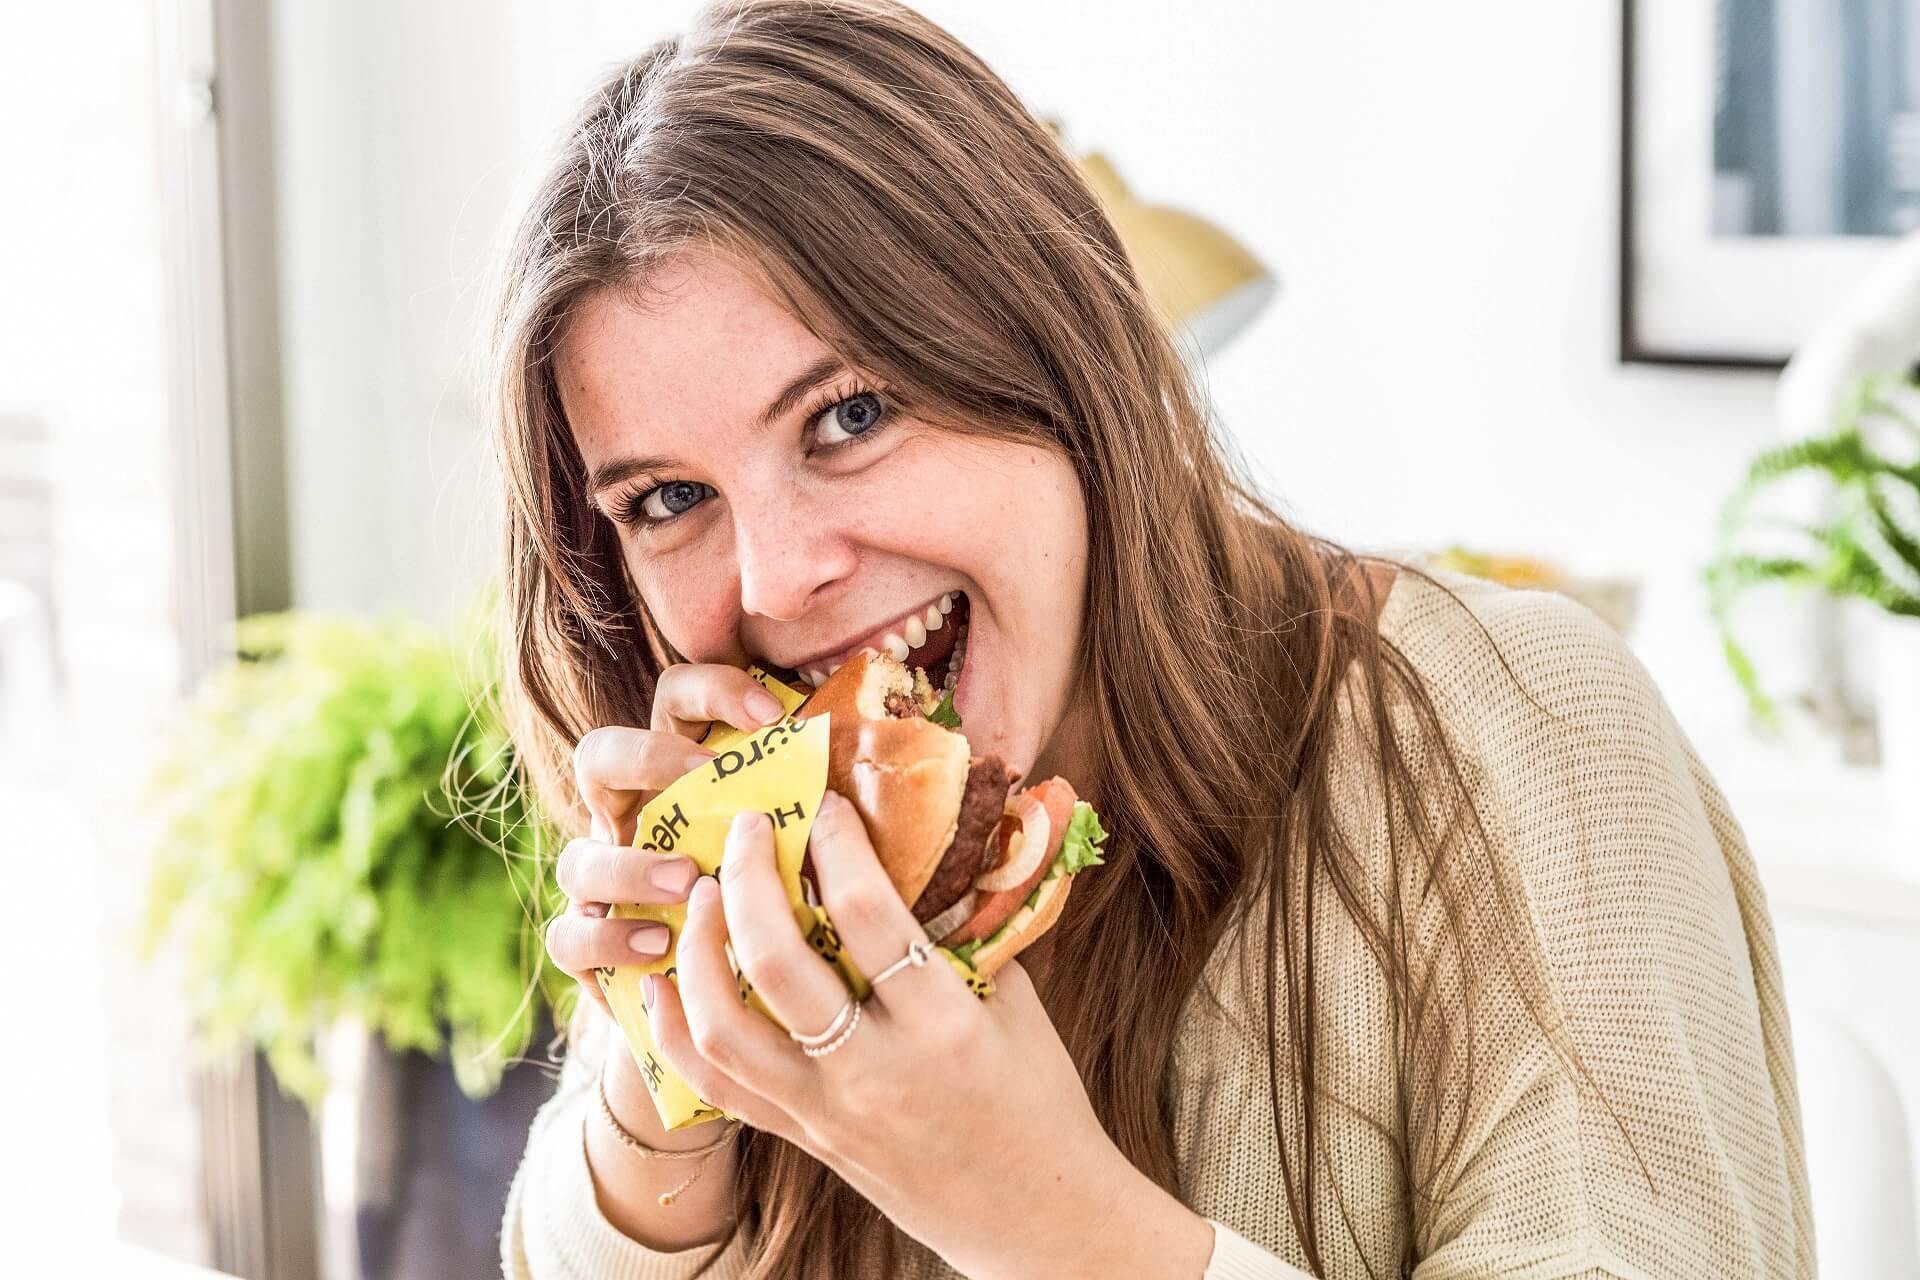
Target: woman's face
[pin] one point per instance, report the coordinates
(761, 521)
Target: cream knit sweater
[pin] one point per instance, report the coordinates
(1660, 959)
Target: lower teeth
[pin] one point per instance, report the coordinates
(954, 662)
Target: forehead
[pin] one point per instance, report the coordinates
(707, 344)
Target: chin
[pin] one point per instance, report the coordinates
(991, 731)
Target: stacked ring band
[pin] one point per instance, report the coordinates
(819, 1046)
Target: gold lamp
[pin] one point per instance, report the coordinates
(1207, 281)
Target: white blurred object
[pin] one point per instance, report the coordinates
(1896, 679)
(28, 663)
(26, 670)
(130, 1262)
(1877, 330)
(1859, 1166)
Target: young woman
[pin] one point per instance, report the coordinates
(1425, 945)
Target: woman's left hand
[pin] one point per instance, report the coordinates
(963, 1120)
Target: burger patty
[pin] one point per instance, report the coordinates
(967, 856)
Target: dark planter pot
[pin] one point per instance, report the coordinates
(433, 1165)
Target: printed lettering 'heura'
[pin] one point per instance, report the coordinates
(985, 868)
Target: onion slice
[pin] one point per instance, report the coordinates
(953, 917)
(1024, 850)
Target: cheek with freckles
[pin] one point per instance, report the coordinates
(695, 604)
(957, 492)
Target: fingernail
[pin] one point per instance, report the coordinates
(748, 820)
(646, 990)
(764, 707)
(649, 939)
(705, 890)
(674, 877)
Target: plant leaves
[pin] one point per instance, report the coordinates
(340, 829)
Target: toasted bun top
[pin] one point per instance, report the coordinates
(906, 779)
(857, 689)
(905, 774)
(863, 685)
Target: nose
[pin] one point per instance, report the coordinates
(788, 551)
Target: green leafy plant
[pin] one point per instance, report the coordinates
(1868, 548)
(340, 832)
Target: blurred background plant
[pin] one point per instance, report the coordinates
(340, 835)
(1866, 546)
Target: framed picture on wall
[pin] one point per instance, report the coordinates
(1770, 151)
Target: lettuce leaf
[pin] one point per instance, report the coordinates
(1084, 832)
(944, 715)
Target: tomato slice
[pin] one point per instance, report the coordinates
(995, 909)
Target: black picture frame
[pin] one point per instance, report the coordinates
(1775, 273)
(1634, 349)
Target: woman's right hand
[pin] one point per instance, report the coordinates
(618, 770)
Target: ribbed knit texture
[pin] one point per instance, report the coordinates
(1660, 962)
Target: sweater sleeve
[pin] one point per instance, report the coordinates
(553, 1228)
(1237, 1258)
(1676, 1152)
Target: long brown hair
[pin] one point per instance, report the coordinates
(966, 263)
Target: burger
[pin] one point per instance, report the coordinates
(984, 863)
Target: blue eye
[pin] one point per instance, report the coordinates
(669, 500)
(852, 418)
(662, 502)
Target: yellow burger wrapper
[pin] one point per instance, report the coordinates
(781, 771)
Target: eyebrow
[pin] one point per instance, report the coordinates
(612, 472)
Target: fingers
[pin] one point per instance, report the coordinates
(1014, 995)
(590, 985)
(874, 925)
(800, 988)
(689, 696)
(667, 1017)
(616, 768)
(593, 871)
(580, 943)
(721, 1031)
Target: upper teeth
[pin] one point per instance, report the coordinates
(896, 643)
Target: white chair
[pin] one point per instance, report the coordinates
(1859, 1163)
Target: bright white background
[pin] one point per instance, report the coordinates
(1434, 185)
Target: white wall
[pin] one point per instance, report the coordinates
(1435, 185)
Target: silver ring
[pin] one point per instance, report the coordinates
(917, 955)
(851, 1009)
(822, 1050)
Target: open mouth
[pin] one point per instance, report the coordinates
(945, 651)
(935, 641)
